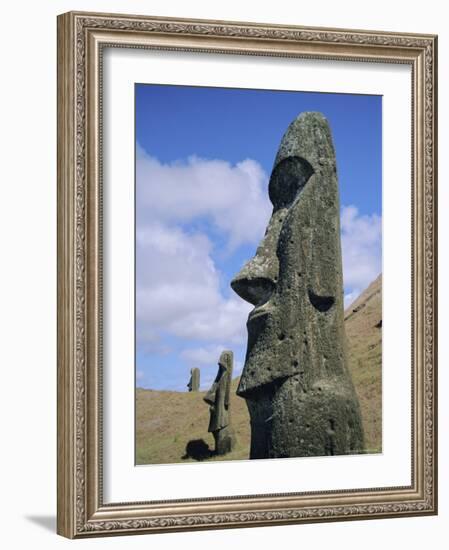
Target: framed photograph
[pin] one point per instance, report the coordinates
(246, 274)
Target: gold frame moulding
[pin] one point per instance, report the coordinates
(82, 38)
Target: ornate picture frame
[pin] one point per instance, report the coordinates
(82, 40)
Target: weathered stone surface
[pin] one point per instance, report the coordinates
(218, 399)
(295, 380)
(194, 382)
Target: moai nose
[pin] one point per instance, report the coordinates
(256, 281)
(255, 290)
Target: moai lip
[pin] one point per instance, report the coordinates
(296, 383)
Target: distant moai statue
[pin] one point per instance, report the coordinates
(295, 379)
(194, 382)
(218, 399)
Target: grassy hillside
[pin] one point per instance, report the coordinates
(167, 421)
(172, 426)
(363, 323)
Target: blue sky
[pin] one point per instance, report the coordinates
(203, 159)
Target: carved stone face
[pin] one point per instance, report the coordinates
(194, 382)
(296, 355)
(295, 280)
(218, 395)
(295, 381)
(211, 395)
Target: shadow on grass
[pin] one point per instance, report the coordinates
(198, 449)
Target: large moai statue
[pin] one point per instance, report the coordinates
(218, 399)
(295, 380)
(194, 382)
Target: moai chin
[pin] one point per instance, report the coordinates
(295, 380)
(218, 399)
(194, 382)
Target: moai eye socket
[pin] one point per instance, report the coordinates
(321, 303)
(287, 180)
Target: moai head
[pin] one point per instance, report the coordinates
(194, 382)
(295, 330)
(219, 394)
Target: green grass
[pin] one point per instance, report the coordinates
(167, 421)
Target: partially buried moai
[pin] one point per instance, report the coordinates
(218, 399)
(295, 380)
(194, 382)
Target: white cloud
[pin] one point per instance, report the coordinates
(233, 198)
(203, 356)
(178, 288)
(178, 285)
(361, 241)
